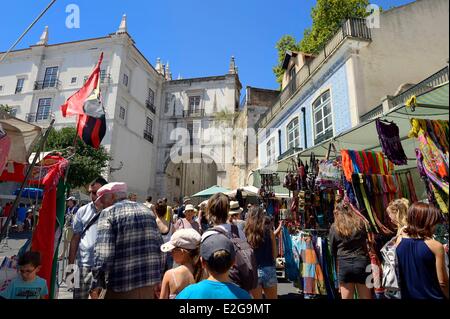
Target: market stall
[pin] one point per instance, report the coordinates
(401, 153)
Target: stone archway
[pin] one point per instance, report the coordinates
(194, 173)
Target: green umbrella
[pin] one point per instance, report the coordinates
(211, 191)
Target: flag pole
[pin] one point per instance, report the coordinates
(28, 29)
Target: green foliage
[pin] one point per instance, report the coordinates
(327, 16)
(5, 108)
(87, 164)
(287, 42)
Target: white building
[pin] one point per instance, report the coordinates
(141, 101)
(203, 109)
(37, 80)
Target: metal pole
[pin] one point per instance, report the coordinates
(304, 127)
(27, 177)
(28, 29)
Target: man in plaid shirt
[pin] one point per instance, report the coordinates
(128, 259)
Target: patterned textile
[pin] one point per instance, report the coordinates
(311, 279)
(127, 252)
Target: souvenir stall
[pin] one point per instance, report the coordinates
(401, 154)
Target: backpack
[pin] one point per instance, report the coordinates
(390, 279)
(244, 272)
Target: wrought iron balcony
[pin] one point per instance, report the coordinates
(42, 85)
(323, 137)
(148, 136)
(42, 117)
(150, 106)
(105, 78)
(194, 113)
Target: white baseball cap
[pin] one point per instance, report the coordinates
(184, 238)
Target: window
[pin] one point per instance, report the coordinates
(194, 104)
(148, 132)
(149, 125)
(50, 78)
(13, 112)
(293, 134)
(177, 182)
(1, 88)
(323, 120)
(122, 113)
(292, 73)
(43, 111)
(73, 80)
(271, 156)
(125, 80)
(151, 96)
(19, 85)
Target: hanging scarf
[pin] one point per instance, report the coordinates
(390, 142)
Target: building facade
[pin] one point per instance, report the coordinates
(144, 106)
(328, 93)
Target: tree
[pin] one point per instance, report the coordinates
(287, 42)
(327, 16)
(5, 108)
(87, 164)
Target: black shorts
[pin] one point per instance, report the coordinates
(353, 270)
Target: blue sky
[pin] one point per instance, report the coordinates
(197, 37)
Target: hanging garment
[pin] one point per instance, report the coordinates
(412, 191)
(389, 135)
(311, 275)
(347, 165)
(291, 267)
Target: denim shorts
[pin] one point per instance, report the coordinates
(267, 277)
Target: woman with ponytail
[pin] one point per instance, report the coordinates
(348, 241)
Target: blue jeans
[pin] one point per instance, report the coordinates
(267, 277)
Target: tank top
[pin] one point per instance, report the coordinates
(264, 254)
(417, 270)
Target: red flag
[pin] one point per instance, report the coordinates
(75, 104)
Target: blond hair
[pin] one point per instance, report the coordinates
(398, 212)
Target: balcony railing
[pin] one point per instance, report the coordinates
(150, 106)
(194, 113)
(355, 28)
(429, 83)
(372, 114)
(39, 117)
(323, 137)
(148, 136)
(42, 85)
(105, 78)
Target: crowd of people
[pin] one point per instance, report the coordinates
(124, 249)
(23, 218)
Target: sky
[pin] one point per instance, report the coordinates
(197, 37)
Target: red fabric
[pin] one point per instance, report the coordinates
(347, 165)
(5, 145)
(13, 172)
(373, 163)
(367, 165)
(44, 236)
(74, 104)
(359, 162)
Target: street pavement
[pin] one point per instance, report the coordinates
(11, 247)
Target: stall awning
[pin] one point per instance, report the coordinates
(23, 136)
(432, 105)
(211, 191)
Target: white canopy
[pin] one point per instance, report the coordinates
(246, 191)
(23, 136)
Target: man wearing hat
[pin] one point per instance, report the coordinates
(127, 251)
(234, 215)
(181, 209)
(188, 221)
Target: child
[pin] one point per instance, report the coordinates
(217, 256)
(27, 285)
(184, 245)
